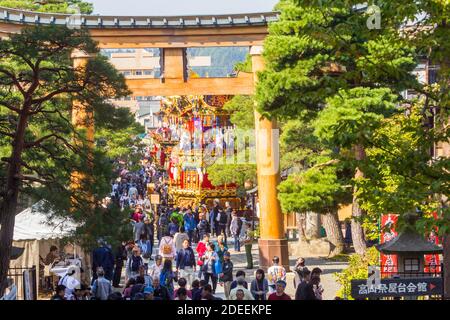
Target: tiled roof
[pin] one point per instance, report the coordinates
(97, 21)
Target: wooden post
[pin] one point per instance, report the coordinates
(82, 119)
(272, 240)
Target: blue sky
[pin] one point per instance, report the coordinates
(179, 7)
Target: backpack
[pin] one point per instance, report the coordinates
(167, 248)
(135, 263)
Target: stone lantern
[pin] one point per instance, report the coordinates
(410, 248)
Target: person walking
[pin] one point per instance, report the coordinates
(248, 243)
(189, 224)
(167, 248)
(275, 273)
(155, 270)
(201, 249)
(235, 230)
(214, 217)
(119, 257)
(145, 248)
(227, 274)
(179, 239)
(203, 226)
(101, 287)
(221, 247)
(167, 277)
(173, 225)
(138, 229)
(212, 266)
(103, 257)
(259, 286)
(222, 221)
(185, 262)
(150, 232)
(134, 263)
(228, 213)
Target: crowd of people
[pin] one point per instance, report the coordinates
(185, 263)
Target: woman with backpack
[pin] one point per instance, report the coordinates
(134, 263)
(167, 277)
(167, 247)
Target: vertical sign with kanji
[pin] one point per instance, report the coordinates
(388, 262)
(432, 262)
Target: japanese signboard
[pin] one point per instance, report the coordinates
(154, 198)
(432, 262)
(397, 288)
(388, 262)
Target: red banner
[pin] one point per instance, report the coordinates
(388, 262)
(432, 262)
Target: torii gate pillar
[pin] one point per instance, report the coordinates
(82, 118)
(272, 237)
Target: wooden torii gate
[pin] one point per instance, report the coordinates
(173, 35)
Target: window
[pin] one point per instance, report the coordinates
(148, 72)
(126, 72)
(138, 72)
(412, 265)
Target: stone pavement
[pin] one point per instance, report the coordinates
(240, 262)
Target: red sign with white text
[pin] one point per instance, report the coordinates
(388, 262)
(432, 262)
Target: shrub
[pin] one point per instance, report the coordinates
(357, 269)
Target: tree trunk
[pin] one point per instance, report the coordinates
(9, 205)
(334, 233)
(359, 242)
(300, 217)
(312, 225)
(446, 262)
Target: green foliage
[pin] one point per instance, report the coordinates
(357, 269)
(241, 111)
(327, 70)
(317, 189)
(221, 174)
(56, 6)
(351, 116)
(39, 58)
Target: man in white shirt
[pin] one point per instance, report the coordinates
(240, 287)
(275, 273)
(70, 282)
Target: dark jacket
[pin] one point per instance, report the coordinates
(102, 257)
(305, 292)
(203, 227)
(227, 270)
(196, 294)
(162, 293)
(185, 258)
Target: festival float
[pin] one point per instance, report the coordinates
(195, 133)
